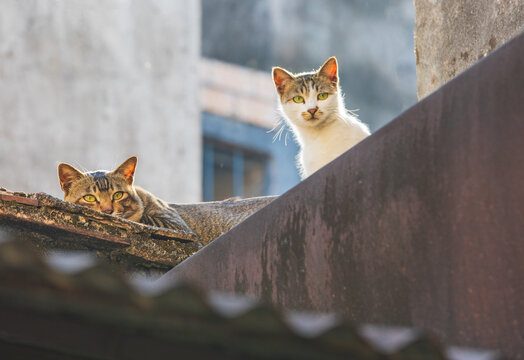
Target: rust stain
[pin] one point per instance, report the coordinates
(72, 229)
(19, 199)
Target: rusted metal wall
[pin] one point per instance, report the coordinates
(421, 224)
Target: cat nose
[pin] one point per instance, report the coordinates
(312, 111)
(107, 211)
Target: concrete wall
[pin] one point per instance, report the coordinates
(93, 82)
(451, 35)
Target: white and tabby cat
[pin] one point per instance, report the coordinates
(114, 193)
(313, 106)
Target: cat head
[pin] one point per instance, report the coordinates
(309, 99)
(108, 192)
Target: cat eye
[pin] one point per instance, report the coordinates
(322, 96)
(89, 198)
(118, 195)
(298, 99)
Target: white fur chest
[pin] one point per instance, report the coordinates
(321, 146)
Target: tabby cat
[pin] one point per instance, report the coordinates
(313, 106)
(113, 193)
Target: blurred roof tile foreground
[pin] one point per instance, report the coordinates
(64, 306)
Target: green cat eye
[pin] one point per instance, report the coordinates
(298, 99)
(89, 198)
(118, 195)
(322, 96)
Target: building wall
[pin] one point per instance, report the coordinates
(451, 35)
(239, 93)
(93, 82)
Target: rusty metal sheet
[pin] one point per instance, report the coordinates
(4, 196)
(420, 224)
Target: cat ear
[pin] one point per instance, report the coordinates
(330, 69)
(67, 174)
(279, 77)
(127, 169)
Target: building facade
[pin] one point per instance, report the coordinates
(92, 83)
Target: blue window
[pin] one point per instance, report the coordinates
(242, 160)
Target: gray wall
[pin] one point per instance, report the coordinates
(372, 39)
(93, 82)
(452, 35)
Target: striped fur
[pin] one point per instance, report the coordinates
(135, 204)
(157, 212)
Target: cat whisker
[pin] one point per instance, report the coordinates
(277, 124)
(278, 134)
(353, 112)
(280, 131)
